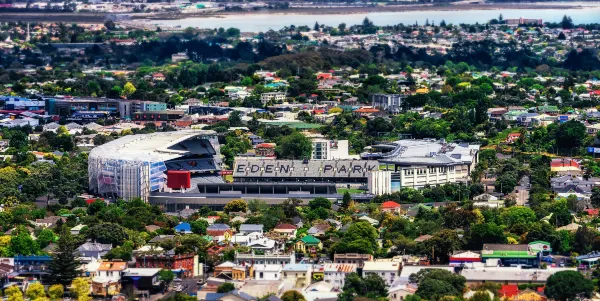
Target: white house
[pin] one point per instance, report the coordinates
(251, 228)
(267, 272)
(388, 271)
(335, 273)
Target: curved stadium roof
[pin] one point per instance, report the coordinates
(159, 146)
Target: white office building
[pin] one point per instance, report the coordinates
(388, 102)
(324, 149)
(380, 182)
(388, 271)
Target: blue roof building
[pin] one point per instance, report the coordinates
(183, 228)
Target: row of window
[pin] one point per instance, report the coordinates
(423, 171)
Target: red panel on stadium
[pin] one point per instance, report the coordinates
(177, 179)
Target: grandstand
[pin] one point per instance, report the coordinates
(135, 165)
(332, 171)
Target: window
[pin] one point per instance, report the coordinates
(261, 275)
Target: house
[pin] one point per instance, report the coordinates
(390, 206)
(508, 291)
(94, 249)
(423, 238)
(286, 230)
(158, 77)
(160, 238)
(321, 291)
(353, 258)
(143, 279)
(371, 221)
(183, 265)
(75, 230)
(219, 230)
(512, 138)
(251, 228)
(264, 244)
(184, 228)
(229, 271)
(335, 273)
(308, 243)
(234, 295)
(48, 222)
(211, 219)
(107, 281)
(564, 167)
(388, 271)
(298, 275)
(398, 291)
(486, 197)
(464, 258)
(267, 272)
(318, 230)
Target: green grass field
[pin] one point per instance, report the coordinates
(350, 190)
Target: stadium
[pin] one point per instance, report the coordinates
(137, 165)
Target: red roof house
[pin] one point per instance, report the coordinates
(390, 206)
(509, 290)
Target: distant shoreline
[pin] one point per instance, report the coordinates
(356, 10)
(99, 18)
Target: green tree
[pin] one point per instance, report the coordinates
(23, 244)
(166, 275)
(319, 203)
(225, 287)
(13, 293)
(568, 285)
(346, 200)
(128, 89)
(570, 134)
(433, 289)
(371, 286)
(81, 288)
(199, 226)
(238, 205)
(294, 146)
(292, 295)
(481, 296)
(56, 291)
(36, 292)
(65, 263)
(108, 233)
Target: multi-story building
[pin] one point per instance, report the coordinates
(417, 163)
(299, 275)
(380, 182)
(251, 257)
(324, 149)
(186, 263)
(388, 271)
(335, 273)
(108, 278)
(272, 97)
(354, 258)
(13, 104)
(388, 102)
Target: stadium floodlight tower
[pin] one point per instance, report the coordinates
(133, 166)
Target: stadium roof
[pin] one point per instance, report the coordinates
(147, 147)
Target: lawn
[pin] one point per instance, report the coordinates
(350, 190)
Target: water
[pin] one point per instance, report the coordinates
(265, 21)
